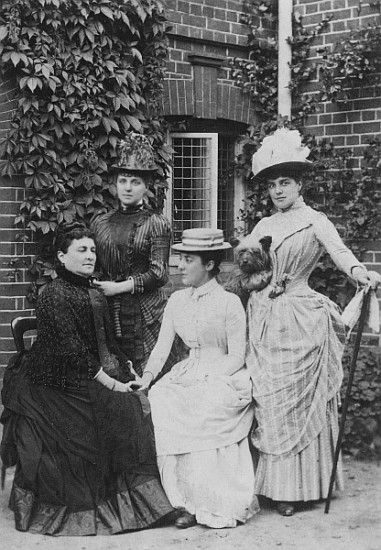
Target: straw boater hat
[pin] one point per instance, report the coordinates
(201, 240)
(282, 150)
(135, 154)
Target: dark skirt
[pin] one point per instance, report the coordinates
(85, 458)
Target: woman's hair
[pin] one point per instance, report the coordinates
(69, 232)
(213, 255)
(146, 176)
(285, 173)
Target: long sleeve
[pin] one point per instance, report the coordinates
(156, 275)
(66, 347)
(164, 343)
(235, 322)
(328, 236)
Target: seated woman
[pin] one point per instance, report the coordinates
(202, 409)
(81, 439)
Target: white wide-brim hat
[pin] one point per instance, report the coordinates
(282, 150)
(201, 240)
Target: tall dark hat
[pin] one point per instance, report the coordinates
(135, 154)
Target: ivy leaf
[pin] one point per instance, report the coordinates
(135, 123)
(15, 58)
(107, 12)
(3, 33)
(33, 82)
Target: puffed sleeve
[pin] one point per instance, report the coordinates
(329, 238)
(160, 239)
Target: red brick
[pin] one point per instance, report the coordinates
(352, 140)
(195, 9)
(368, 115)
(217, 25)
(182, 6)
(194, 21)
(366, 128)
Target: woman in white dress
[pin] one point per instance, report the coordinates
(202, 409)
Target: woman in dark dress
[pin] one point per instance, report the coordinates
(81, 439)
(133, 252)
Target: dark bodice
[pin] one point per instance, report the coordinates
(134, 244)
(66, 349)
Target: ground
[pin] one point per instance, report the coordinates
(353, 523)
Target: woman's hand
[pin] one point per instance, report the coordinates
(146, 380)
(136, 384)
(374, 279)
(365, 278)
(111, 288)
(121, 387)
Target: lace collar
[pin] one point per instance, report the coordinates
(72, 278)
(204, 289)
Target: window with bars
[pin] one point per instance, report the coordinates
(204, 190)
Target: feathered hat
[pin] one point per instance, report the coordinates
(135, 154)
(282, 150)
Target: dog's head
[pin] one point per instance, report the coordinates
(255, 257)
(254, 267)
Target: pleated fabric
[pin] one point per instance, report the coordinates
(304, 476)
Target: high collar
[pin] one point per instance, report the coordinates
(204, 289)
(71, 277)
(299, 203)
(131, 209)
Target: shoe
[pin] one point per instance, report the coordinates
(285, 508)
(185, 520)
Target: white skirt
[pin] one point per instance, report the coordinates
(217, 485)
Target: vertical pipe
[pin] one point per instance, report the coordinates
(284, 57)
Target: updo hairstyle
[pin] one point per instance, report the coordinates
(69, 232)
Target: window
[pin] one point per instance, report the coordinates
(203, 191)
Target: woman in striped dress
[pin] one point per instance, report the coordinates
(296, 335)
(133, 250)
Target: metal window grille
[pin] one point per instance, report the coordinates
(194, 182)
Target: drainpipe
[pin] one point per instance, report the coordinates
(284, 57)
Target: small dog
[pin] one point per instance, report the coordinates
(254, 268)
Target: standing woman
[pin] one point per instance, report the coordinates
(133, 250)
(202, 409)
(295, 336)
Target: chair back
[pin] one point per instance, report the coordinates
(19, 326)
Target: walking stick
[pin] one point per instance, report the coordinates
(356, 348)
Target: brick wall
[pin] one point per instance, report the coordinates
(348, 125)
(13, 278)
(208, 28)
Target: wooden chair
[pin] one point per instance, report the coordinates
(19, 326)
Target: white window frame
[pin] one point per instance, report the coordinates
(239, 191)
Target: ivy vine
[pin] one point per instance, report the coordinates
(258, 76)
(86, 72)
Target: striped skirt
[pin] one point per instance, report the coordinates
(306, 475)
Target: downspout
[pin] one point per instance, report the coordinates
(284, 57)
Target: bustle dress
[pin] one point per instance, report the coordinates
(295, 345)
(134, 243)
(202, 415)
(85, 455)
